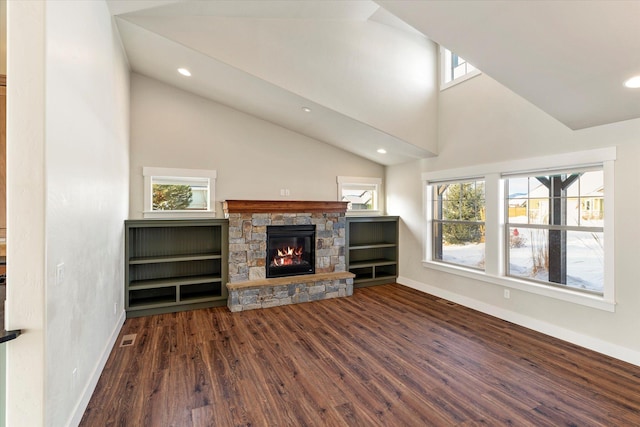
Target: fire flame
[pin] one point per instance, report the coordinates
(288, 256)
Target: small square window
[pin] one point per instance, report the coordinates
(180, 193)
(177, 194)
(362, 193)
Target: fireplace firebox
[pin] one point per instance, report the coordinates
(290, 250)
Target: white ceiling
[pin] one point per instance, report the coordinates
(570, 58)
(567, 57)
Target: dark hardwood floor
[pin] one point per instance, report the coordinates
(388, 355)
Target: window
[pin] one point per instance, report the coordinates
(182, 193)
(458, 223)
(454, 69)
(542, 225)
(362, 193)
(554, 228)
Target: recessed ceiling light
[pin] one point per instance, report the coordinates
(184, 72)
(306, 109)
(633, 82)
(382, 151)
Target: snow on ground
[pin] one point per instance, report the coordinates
(585, 260)
(469, 255)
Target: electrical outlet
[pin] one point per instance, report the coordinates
(282, 191)
(287, 192)
(507, 293)
(115, 308)
(60, 273)
(74, 377)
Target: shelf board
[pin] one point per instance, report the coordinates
(372, 246)
(173, 258)
(173, 281)
(200, 298)
(371, 279)
(152, 302)
(372, 263)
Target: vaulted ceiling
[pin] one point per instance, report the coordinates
(570, 58)
(367, 70)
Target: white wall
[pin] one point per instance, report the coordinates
(81, 197)
(480, 121)
(254, 158)
(25, 304)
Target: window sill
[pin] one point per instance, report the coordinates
(568, 295)
(178, 214)
(461, 79)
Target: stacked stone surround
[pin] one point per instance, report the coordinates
(248, 242)
(248, 286)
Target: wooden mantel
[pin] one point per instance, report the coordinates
(282, 206)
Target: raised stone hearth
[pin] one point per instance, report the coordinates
(248, 286)
(288, 290)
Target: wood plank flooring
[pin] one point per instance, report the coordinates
(387, 356)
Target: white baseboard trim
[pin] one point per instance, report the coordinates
(82, 404)
(595, 344)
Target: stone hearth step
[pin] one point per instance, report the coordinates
(265, 293)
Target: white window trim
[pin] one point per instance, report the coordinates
(494, 223)
(357, 180)
(149, 172)
(443, 71)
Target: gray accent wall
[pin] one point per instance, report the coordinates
(254, 158)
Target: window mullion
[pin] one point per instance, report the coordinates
(494, 225)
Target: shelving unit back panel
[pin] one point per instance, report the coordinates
(386, 271)
(200, 291)
(139, 272)
(144, 297)
(174, 241)
(368, 233)
(362, 273)
(356, 256)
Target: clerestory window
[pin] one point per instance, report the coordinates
(454, 69)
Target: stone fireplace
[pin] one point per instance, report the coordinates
(253, 284)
